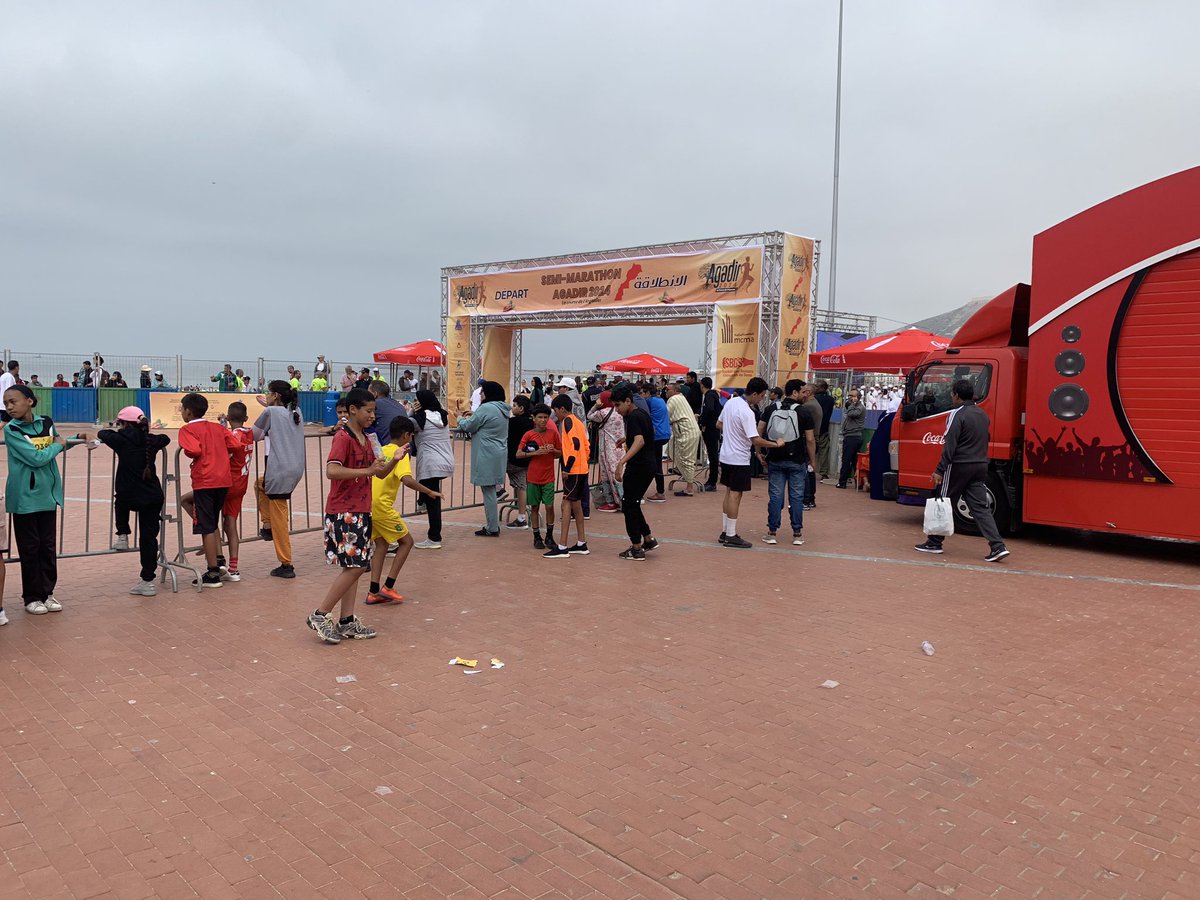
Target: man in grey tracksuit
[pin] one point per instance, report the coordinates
(963, 467)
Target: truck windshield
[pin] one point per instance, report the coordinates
(929, 387)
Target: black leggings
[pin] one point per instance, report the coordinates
(37, 534)
(711, 438)
(636, 482)
(850, 445)
(659, 484)
(149, 523)
(433, 509)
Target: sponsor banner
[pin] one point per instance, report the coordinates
(712, 277)
(165, 411)
(735, 360)
(497, 357)
(458, 365)
(795, 306)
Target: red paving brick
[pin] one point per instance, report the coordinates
(657, 731)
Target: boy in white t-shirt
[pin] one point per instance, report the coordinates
(739, 429)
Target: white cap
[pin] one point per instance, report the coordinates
(566, 382)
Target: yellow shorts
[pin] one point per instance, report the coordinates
(388, 525)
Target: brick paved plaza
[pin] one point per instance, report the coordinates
(658, 729)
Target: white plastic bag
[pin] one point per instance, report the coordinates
(939, 516)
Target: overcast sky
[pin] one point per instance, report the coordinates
(281, 178)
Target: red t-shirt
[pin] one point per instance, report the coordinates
(541, 468)
(207, 444)
(352, 494)
(239, 461)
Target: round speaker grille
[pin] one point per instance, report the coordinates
(1068, 402)
(1069, 363)
(1071, 334)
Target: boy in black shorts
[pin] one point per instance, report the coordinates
(207, 444)
(576, 449)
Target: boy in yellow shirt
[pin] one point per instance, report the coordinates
(386, 525)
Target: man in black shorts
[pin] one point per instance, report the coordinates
(739, 431)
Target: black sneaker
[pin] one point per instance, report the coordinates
(209, 580)
(738, 542)
(635, 553)
(518, 523)
(721, 538)
(355, 630)
(809, 507)
(841, 485)
(998, 553)
(556, 552)
(283, 572)
(929, 547)
(325, 626)
(483, 532)
(538, 543)
(649, 544)
(579, 550)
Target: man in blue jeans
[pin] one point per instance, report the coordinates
(788, 466)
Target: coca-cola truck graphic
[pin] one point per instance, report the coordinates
(1091, 376)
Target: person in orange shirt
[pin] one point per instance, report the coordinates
(575, 452)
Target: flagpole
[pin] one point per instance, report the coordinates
(837, 153)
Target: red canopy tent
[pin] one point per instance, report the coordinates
(883, 353)
(645, 364)
(422, 353)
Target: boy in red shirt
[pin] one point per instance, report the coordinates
(350, 467)
(540, 446)
(207, 444)
(239, 474)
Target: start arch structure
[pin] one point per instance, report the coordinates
(753, 292)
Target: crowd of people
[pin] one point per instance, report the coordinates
(381, 444)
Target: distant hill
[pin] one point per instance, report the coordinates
(948, 323)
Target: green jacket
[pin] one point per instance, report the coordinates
(34, 481)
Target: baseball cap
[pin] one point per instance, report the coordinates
(159, 374)
(566, 382)
(130, 414)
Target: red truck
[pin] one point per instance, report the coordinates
(1091, 376)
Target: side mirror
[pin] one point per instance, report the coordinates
(908, 412)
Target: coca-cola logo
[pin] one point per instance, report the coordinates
(832, 359)
(931, 438)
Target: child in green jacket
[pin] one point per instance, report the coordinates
(33, 494)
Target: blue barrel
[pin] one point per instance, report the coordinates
(74, 405)
(330, 412)
(312, 406)
(143, 401)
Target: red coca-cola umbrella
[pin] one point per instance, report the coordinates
(882, 353)
(645, 364)
(422, 353)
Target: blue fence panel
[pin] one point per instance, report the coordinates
(312, 406)
(143, 402)
(74, 405)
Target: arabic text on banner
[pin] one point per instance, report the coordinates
(713, 277)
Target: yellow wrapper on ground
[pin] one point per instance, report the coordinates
(469, 663)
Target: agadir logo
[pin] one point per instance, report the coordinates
(469, 296)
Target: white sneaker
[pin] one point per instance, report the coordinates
(769, 538)
(427, 545)
(53, 605)
(144, 589)
(36, 608)
(3, 617)
(122, 542)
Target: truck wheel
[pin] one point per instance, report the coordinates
(998, 503)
